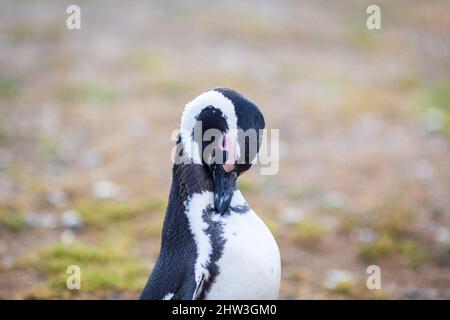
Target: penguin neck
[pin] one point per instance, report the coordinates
(187, 179)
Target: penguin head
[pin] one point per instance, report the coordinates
(222, 131)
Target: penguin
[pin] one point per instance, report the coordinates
(213, 245)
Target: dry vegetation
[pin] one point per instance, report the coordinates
(86, 118)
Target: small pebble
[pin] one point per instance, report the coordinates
(333, 200)
(105, 189)
(57, 198)
(72, 219)
(89, 160)
(412, 293)
(364, 235)
(442, 235)
(291, 215)
(335, 277)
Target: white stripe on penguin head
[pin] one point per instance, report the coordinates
(193, 109)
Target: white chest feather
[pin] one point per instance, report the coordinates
(249, 267)
(250, 264)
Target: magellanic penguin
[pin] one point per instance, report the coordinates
(213, 245)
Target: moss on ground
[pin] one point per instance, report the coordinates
(103, 267)
(308, 231)
(103, 212)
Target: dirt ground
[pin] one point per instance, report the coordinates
(364, 117)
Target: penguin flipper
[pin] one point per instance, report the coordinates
(176, 285)
(189, 290)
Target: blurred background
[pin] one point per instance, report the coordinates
(364, 118)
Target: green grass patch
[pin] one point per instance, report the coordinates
(388, 246)
(104, 212)
(415, 254)
(21, 31)
(8, 88)
(447, 247)
(361, 37)
(434, 103)
(16, 173)
(356, 289)
(308, 231)
(344, 288)
(147, 62)
(437, 96)
(349, 223)
(12, 221)
(301, 194)
(154, 228)
(249, 187)
(157, 73)
(49, 146)
(170, 86)
(45, 31)
(89, 93)
(383, 247)
(395, 221)
(102, 267)
(3, 131)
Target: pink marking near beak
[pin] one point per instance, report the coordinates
(230, 147)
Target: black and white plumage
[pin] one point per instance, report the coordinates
(213, 245)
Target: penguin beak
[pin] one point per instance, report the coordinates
(224, 186)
